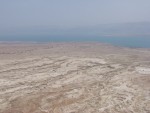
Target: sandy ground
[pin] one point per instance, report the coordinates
(73, 78)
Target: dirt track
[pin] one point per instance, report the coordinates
(73, 78)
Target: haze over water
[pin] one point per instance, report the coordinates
(135, 42)
(122, 23)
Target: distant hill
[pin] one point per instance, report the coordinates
(126, 29)
(109, 30)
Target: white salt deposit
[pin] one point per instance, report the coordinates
(143, 70)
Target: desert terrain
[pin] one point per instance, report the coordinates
(73, 78)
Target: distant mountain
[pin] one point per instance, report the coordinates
(109, 30)
(126, 29)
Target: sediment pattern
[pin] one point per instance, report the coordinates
(69, 78)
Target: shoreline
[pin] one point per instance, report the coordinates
(69, 42)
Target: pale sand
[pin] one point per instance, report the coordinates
(73, 78)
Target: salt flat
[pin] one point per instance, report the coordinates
(73, 78)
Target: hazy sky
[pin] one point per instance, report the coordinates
(23, 14)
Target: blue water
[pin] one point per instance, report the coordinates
(135, 42)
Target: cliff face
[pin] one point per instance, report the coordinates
(73, 78)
